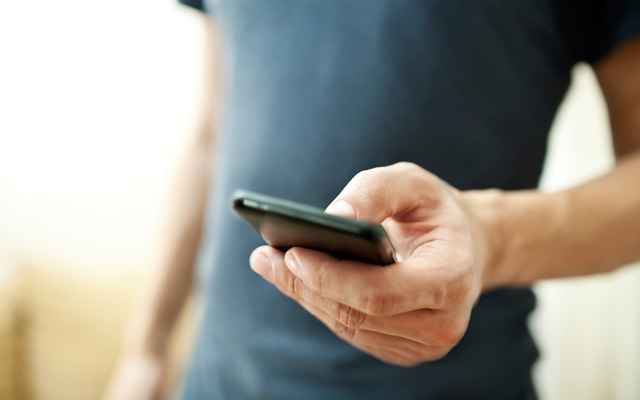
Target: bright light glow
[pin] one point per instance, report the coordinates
(96, 101)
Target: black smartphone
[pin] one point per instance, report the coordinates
(284, 224)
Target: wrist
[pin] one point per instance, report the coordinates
(142, 356)
(149, 344)
(484, 210)
(517, 230)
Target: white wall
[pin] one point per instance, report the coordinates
(96, 101)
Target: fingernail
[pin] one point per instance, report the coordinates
(262, 266)
(292, 264)
(342, 209)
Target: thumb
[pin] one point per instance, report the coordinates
(379, 193)
(342, 208)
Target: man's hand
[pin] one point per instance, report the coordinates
(456, 244)
(138, 377)
(415, 310)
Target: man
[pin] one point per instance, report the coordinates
(463, 93)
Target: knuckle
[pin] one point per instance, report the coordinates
(404, 165)
(424, 336)
(409, 168)
(455, 287)
(376, 303)
(350, 317)
(319, 280)
(373, 185)
(458, 289)
(439, 296)
(427, 182)
(448, 333)
(291, 284)
(368, 175)
(423, 352)
(343, 331)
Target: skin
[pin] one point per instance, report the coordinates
(455, 245)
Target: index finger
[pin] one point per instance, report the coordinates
(412, 284)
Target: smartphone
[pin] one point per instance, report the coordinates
(284, 224)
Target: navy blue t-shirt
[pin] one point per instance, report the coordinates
(318, 90)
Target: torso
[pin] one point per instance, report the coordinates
(320, 90)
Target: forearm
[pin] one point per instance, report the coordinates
(166, 287)
(164, 296)
(589, 229)
(169, 285)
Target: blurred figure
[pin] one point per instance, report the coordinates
(410, 111)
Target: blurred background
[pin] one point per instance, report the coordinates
(98, 100)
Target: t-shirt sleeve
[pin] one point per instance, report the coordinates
(620, 21)
(197, 4)
(592, 28)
